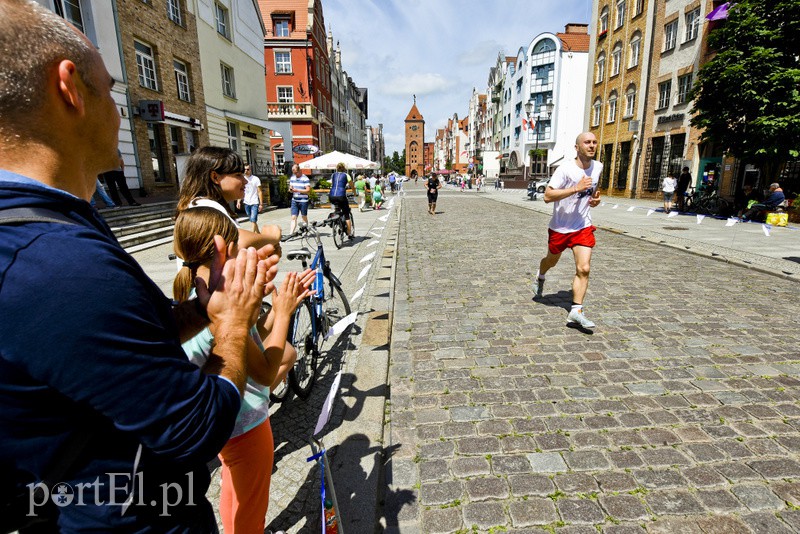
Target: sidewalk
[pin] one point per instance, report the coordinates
(744, 244)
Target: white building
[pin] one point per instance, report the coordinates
(551, 76)
(99, 22)
(232, 66)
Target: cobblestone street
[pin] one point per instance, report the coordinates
(679, 414)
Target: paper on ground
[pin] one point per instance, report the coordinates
(672, 214)
(373, 243)
(358, 294)
(650, 212)
(615, 206)
(731, 222)
(368, 257)
(325, 414)
(766, 228)
(379, 228)
(364, 272)
(341, 325)
(631, 208)
(376, 234)
(700, 218)
(384, 218)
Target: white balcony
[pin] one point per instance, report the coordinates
(290, 111)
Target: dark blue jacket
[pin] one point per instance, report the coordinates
(774, 199)
(88, 343)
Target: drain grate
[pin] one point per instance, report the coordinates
(675, 228)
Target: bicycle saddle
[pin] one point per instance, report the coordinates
(299, 254)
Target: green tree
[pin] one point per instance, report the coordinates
(747, 98)
(395, 163)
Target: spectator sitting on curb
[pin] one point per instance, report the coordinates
(773, 200)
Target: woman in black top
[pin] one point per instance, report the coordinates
(432, 185)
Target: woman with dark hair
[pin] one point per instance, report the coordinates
(215, 177)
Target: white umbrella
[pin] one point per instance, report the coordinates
(332, 159)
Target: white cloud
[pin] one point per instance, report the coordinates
(419, 84)
(482, 53)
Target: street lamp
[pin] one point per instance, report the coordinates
(548, 109)
(529, 105)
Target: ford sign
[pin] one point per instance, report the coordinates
(308, 150)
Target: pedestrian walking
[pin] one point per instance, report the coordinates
(116, 183)
(100, 193)
(361, 191)
(668, 186)
(684, 181)
(108, 389)
(432, 186)
(299, 187)
(253, 197)
(573, 190)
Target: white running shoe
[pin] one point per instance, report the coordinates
(577, 316)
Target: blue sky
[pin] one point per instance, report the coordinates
(436, 49)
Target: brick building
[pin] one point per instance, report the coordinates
(415, 141)
(162, 60)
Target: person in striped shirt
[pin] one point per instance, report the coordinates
(299, 187)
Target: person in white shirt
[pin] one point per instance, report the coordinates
(573, 189)
(299, 187)
(253, 197)
(668, 186)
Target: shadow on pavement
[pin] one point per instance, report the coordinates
(562, 299)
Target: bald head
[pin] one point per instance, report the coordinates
(32, 42)
(582, 136)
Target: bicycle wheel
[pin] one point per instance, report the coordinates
(339, 233)
(334, 308)
(305, 339)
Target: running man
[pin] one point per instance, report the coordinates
(432, 184)
(573, 188)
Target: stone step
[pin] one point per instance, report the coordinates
(142, 226)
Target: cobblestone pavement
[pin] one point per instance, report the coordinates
(679, 414)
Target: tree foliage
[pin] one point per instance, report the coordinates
(396, 163)
(747, 98)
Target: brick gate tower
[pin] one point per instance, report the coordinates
(415, 141)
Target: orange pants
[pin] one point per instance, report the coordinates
(246, 472)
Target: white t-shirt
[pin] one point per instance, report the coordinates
(669, 184)
(251, 190)
(572, 213)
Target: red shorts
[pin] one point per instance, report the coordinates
(558, 242)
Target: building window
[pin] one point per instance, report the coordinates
(684, 87)
(146, 66)
(664, 90)
(692, 24)
(616, 59)
(636, 44)
(233, 136)
(604, 20)
(597, 112)
(612, 107)
(228, 83)
(670, 35)
(174, 11)
(175, 139)
(630, 101)
(638, 7)
(601, 68)
(71, 11)
(283, 62)
(281, 27)
(620, 13)
(285, 95)
(182, 80)
(223, 22)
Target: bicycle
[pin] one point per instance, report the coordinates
(706, 203)
(338, 224)
(314, 316)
